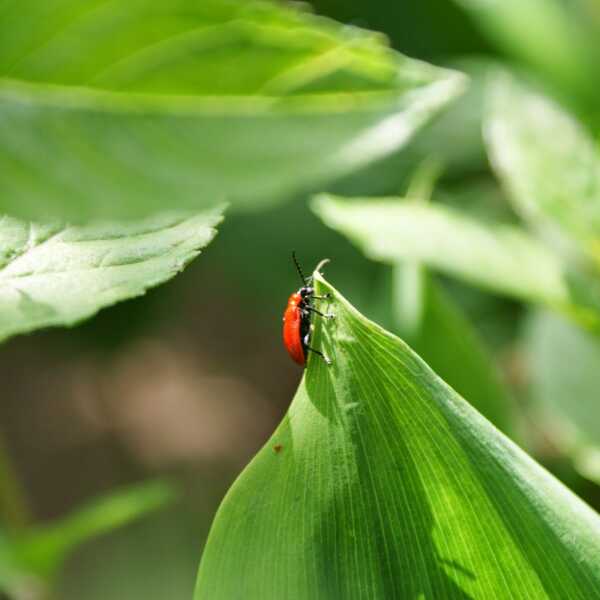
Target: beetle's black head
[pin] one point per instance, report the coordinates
(307, 291)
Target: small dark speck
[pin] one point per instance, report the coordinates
(277, 448)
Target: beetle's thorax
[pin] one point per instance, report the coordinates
(305, 293)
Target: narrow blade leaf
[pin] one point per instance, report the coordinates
(382, 482)
(13, 578)
(128, 108)
(54, 274)
(42, 550)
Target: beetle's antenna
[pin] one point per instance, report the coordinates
(304, 279)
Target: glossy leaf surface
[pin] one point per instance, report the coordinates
(112, 109)
(382, 482)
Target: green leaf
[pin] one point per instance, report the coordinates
(557, 38)
(126, 108)
(382, 482)
(452, 347)
(53, 274)
(434, 326)
(42, 550)
(547, 162)
(562, 364)
(453, 139)
(31, 559)
(501, 258)
(12, 576)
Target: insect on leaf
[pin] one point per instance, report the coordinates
(382, 482)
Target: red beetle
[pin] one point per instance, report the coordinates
(296, 319)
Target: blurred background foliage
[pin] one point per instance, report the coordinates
(187, 382)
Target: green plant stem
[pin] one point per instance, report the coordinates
(15, 513)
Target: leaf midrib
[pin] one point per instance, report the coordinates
(84, 98)
(85, 94)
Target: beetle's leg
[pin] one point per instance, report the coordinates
(325, 358)
(318, 312)
(325, 297)
(305, 343)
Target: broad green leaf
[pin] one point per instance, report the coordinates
(42, 550)
(453, 139)
(547, 161)
(562, 363)
(382, 482)
(501, 258)
(53, 274)
(552, 36)
(126, 108)
(497, 257)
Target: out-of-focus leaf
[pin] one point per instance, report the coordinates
(125, 108)
(453, 349)
(546, 160)
(498, 257)
(453, 138)
(42, 550)
(12, 577)
(564, 378)
(586, 460)
(30, 559)
(480, 197)
(552, 36)
(153, 559)
(434, 326)
(382, 482)
(563, 365)
(54, 274)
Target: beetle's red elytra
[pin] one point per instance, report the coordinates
(294, 326)
(297, 319)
